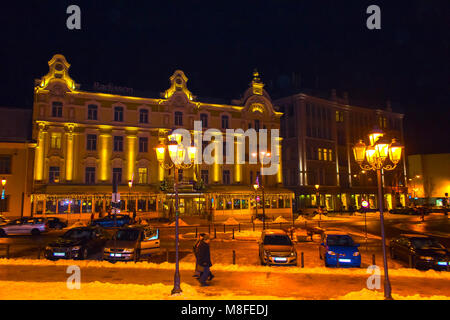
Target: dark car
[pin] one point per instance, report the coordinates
(77, 243)
(112, 221)
(56, 223)
(276, 248)
(403, 210)
(420, 251)
(132, 242)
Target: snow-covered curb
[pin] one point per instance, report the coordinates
(366, 294)
(402, 272)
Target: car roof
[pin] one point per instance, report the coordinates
(336, 233)
(412, 235)
(274, 232)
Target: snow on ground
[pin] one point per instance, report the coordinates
(280, 219)
(366, 294)
(322, 217)
(18, 290)
(231, 221)
(180, 223)
(402, 272)
(247, 235)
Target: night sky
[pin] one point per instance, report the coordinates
(218, 44)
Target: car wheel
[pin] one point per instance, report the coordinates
(2, 233)
(137, 256)
(35, 232)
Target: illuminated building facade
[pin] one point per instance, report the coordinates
(318, 137)
(87, 138)
(16, 162)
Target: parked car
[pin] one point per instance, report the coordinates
(112, 221)
(420, 251)
(276, 248)
(131, 243)
(339, 246)
(404, 210)
(78, 243)
(33, 226)
(56, 223)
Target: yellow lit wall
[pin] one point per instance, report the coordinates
(105, 155)
(131, 155)
(40, 151)
(69, 160)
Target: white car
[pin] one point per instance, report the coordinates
(33, 226)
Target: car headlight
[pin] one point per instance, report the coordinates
(76, 248)
(293, 253)
(128, 250)
(426, 258)
(331, 253)
(355, 254)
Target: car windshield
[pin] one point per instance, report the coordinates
(77, 234)
(280, 240)
(127, 235)
(426, 243)
(343, 240)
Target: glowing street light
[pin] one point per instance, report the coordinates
(375, 157)
(177, 153)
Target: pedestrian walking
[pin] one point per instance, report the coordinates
(198, 269)
(204, 260)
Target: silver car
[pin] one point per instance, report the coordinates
(33, 226)
(276, 248)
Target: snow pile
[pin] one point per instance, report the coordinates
(231, 221)
(280, 219)
(300, 219)
(324, 217)
(366, 294)
(109, 291)
(181, 223)
(77, 224)
(257, 221)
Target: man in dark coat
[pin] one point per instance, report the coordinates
(204, 260)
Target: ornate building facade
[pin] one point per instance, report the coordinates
(85, 139)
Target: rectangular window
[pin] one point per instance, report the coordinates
(92, 112)
(320, 154)
(117, 175)
(257, 125)
(330, 155)
(143, 176)
(55, 142)
(143, 144)
(226, 176)
(118, 114)
(178, 118)
(57, 109)
(5, 164)
(4, 204)
(180, 175)
(204, 120)
(91, 143)
(90, 175)
(143, 116)
(205, 176)
(225, 122)
(53, 175)
(118, 143)
(325, 154)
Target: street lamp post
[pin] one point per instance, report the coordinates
(318, 202)
(130, 185)
(255, 186)
(177, 154)
(374, 157)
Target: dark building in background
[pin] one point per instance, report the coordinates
(16, 161)
(318, 136)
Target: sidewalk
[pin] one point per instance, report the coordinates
(38, 279)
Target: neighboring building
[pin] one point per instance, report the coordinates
(86, 138)
(429, 178)
(318, 136)
(16, 161)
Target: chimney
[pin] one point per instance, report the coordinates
(333, 94)
(345, 96)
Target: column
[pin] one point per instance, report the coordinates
(105, 149)
(131, 154)
(216, 165)
(238, 167)
(280, 169)
(69, 152)
(40, 152)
